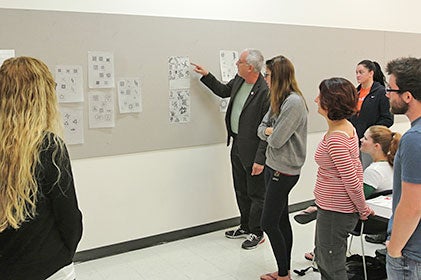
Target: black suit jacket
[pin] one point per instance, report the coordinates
(375, 110)
(251, 148)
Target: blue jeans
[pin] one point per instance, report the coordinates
(402, 268)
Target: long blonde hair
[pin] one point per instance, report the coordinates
(28, 111)
(282, 82)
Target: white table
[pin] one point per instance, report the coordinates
(382, 206)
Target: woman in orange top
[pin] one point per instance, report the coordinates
(373, 105)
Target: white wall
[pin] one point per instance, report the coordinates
(132, 196)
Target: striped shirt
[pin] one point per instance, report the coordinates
(339, 184)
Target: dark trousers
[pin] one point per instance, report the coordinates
(275, 218)
(332, 230)
(249, 192)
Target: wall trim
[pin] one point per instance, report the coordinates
(163, 238)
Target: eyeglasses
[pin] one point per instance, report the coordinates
(399, 91)
(241, 62)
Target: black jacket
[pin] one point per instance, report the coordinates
(45, 244)
(251, 149)
(375, 110)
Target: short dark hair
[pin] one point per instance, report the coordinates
(407, 71)
(338, 97)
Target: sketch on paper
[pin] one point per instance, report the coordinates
(72, 117)
(69, 80)
(101, 109)
(100, 69)
(223, 104)
(5, 54)
(179, 72)
(129, 97)
(179, 95)
(179, 102)
(227, 62)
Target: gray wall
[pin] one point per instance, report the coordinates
(142, 45)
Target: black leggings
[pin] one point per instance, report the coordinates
(275, 217)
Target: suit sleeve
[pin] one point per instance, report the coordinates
(218, 88)
(260, 157)
(262, 127)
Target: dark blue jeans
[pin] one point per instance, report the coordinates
(275, 217)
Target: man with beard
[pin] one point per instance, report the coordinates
(404, 246)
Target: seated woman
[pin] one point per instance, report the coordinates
(381, 144)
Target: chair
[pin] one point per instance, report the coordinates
(370, 226)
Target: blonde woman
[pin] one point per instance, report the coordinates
(40, 222)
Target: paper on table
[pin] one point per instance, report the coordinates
(382, 205)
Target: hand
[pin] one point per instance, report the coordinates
(372, 213)
(394, 253)
(268, 131)
(257, 169)
(199, 69)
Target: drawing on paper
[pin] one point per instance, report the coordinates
(179, 72)
(100, 70)
(73, 124)
(69, 80)
(5, 54)
(223, 104)
(179, 94)
(179, 102)
(227, 62)
(129, 98)
(101, 110)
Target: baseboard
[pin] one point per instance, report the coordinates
(141, 243)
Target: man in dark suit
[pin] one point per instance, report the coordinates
(248, 104)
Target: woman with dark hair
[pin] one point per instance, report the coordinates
(284, 128)
(339, 185)
(373, 106)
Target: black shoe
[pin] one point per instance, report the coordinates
(376, 238)
(305, 217)
(252, 241)
(237, 233)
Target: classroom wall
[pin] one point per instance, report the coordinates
(132, 196)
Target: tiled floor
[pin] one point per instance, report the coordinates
(205, 257)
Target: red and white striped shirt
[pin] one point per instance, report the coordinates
(339, 184)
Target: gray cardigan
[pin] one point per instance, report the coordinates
(286, 150)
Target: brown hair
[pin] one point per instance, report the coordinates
(388, 140)
(338, 97)
(282, 82)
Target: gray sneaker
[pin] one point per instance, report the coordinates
(252, 241)
(237, 233)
